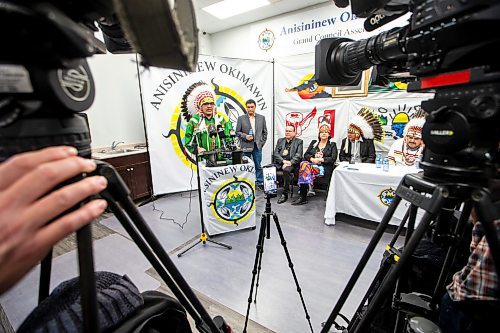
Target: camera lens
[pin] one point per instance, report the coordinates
(341, 61)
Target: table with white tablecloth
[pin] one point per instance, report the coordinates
(365, 191)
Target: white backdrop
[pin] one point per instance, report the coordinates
(234, 81)
(305, 107)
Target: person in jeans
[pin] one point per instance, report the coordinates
(252, 131)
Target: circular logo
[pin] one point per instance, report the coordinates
(233, 201)
(386, 196)
(266, 39)
(75, 83)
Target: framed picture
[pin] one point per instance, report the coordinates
(360, 90)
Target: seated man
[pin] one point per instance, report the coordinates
(287, 156)
(408, 149)
(198, 108)
(363, 129)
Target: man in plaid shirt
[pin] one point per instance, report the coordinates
(472, 301)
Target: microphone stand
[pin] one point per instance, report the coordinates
(203, 237)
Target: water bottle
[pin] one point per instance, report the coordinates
(386, 165)
(378, 160)
(417, 162)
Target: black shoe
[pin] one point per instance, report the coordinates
(283, 198)
(260, 187)
(299, 201)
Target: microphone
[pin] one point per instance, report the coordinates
(235, 139)
(212, 131)
(222, 135)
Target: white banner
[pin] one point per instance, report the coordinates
(234, 82)
(304, 103)
(229, 197)
(298, 33)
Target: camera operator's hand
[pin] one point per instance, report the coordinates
(201, 150)
(27, 204)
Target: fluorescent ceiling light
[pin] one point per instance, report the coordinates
(228, 8)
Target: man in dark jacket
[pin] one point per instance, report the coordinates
(287, 156)
(363, 129)
(360, 150)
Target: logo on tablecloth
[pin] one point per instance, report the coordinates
(233, 201)
(386, 196)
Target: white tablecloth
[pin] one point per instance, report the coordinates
(228, 197)
(365, 191)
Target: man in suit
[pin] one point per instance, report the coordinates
(287, 156)
(252, 131)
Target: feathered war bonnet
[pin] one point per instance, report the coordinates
(367, 123)
(416, 123)
(195, 96)
(325, 123)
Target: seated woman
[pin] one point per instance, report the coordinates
(318, 161)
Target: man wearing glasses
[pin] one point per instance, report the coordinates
(287, 157)
(203, 120)
(408, 149)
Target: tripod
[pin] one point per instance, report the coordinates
(265, 229)
(432, 197)
(74, 131)
(203, 238)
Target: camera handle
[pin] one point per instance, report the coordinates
(413, 188)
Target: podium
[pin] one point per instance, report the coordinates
(228, 197)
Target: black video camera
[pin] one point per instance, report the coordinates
(447, 48)
(44, 77)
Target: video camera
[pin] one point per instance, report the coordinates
(447, 48)
(44, 76)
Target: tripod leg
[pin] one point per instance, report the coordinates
(229, 247)
(258, 255)
(45, 269)
(189, 248)
(452, 251)
(117, 192)
(390, 279)
(389, 260)
(290, 264)
(398, 327)
(258, 272)
(362, 263)
(87, 279)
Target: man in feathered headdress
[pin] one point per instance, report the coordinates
(204, 124)
(363, 129)
(408, 149)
